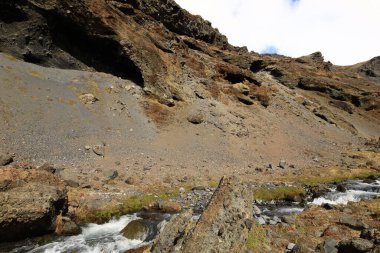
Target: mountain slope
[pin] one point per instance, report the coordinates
(178, 100)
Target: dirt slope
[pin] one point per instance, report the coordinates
(178, 100)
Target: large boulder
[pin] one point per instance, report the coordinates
(222, 227)
(30, 201)
(355, 245)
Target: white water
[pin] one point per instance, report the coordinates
(357, 190)
(105, 238)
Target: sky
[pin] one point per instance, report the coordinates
(345, 31)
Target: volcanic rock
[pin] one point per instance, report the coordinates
(30, 203)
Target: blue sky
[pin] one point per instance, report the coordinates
(345, 31)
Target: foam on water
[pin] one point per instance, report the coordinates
(289, 210)
(336, 198)
(94, 239)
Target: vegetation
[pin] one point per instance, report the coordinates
(257, 237)
(279, 193)
(127, 206)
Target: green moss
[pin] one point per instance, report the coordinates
(279, 193)
(257, 237)
(129, 205)
(338, 178)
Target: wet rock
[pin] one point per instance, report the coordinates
(88, 98)
(341, 188)
(256, 210)
(261, 221)
(355, 245)
(275, 220)
(31, 205)
(353, 223)
(99, 149)
(136, 230)
(5, 159)
(165, 207)
(328, 206)
(65, 226)
(318, 190)
(330, 246)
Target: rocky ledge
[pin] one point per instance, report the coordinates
(31, 199)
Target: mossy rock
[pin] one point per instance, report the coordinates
(136, 230)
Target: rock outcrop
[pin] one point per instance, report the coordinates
(30, 201)
(223, 226)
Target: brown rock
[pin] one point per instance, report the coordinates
(222, 227)
(65, 226)
(30, 206)
(171, 236)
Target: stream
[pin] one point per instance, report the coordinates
(107, 237)
(272, 212)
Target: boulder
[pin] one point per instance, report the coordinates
(171, 235)
(341, 188)
(5, 159)
(195, 118)
(330, 246)
(223, 226)
(136, 230)
(225, 223)
(282, 164)
(30, 203)
(65, 226)
(371, 234)
(355, 245)
(353, 223)
(140, 249)
(165, 207)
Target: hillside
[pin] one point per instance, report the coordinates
(124, 97)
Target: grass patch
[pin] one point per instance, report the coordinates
(129, 205)
(332, 175)
(257, 237)
(279, 193)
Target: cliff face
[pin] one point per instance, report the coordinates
(188, 81)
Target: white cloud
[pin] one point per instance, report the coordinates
(345, 31)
